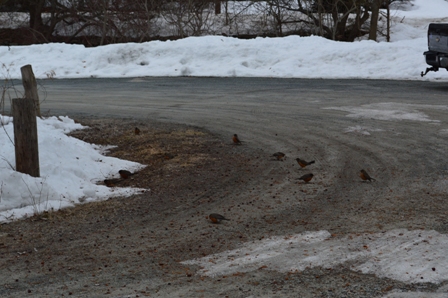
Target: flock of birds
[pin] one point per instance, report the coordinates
(303, 163)
(217, 218)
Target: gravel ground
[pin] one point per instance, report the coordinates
(132, 247)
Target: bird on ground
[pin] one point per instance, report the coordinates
(111, 182)
(364, 176)
(304, 163)
(236, 140)
(168, 156)
(307, 178)
(125, 174)
(137, 131)
(217, 218)
(279, 155)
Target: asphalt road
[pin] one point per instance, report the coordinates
(273, 114)
(227, 104)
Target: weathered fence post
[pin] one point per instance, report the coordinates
(25, 136)
(30, 85)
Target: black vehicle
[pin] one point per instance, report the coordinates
(437, 56)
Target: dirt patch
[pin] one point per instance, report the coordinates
(132, 247)
(164, 149)
(93, 249)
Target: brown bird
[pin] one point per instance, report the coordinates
(137, 131)
(303, 163)
(307, 178)
(279, 155)
(168, 156)
(125, 174)
(216, 218)
(236, 140)
(364, 176)
(111, 182)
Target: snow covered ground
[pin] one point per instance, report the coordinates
(293, 56)
(70, 168)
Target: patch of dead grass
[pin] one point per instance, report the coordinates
(162, 149)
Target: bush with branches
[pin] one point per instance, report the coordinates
(98, 22)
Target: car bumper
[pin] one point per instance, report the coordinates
(436, 59)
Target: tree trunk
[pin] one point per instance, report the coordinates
(104, 20)
(217, 7)
(320, 14)
(361, 18)
(375, 7)
(388, 22)
(36, 21)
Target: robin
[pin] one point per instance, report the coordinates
(111, 182)
(279, 155)
(168, 156)
(364, 176)
(303, 163)
(235, 140)
(137, 131)
(125, 174)
(216, 218)
(307, 178)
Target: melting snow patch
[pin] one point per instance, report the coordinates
(360, 130)
(414, 295)
(390, 111)
(408, 256)
(443, 131)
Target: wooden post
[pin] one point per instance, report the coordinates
(30, 85)
(25, 136)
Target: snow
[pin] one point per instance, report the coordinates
(289, 57)
(391, 111)
(408, 256)
(398, 294)
(362, 130)
(70, 168)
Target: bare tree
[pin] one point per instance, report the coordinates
(35, 9)
(118, 20)
(99, 22)
(333, 19)
(6, 5)
(188, 17)
(375, 7)
(276, 10)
